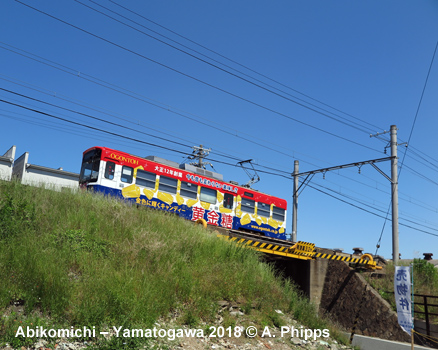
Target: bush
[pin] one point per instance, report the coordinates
(425, 274)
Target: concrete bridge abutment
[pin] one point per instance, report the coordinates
(344, 296)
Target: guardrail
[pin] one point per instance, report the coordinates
(427, 308)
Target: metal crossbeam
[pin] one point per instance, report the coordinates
(358, 164)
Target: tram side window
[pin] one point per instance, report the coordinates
(228, 201)
(188, 190)
(145, 179)
(167, 184)
(109, 170)
(248, 205)
(278, 214)
(127, 174)
(208, 195)
(263, 210)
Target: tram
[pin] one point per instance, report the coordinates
(193, 193)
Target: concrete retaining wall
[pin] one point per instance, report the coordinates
(354, 304)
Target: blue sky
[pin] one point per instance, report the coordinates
(269, 81)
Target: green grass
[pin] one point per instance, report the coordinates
(80, 259)
(425, 283)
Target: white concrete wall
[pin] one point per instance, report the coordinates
(50, 178)
(36, 175)
(6, 164)
(20, 166)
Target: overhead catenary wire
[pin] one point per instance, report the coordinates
(83, 104)
(370, 212)
(241, 137)
(212, 137)
(422, 154)
(238, 159)
(419, 155)
(93, 117)
(144, 99)
(338, 174)
(240, 64)
(374, 201)
(302, 104)
(409, 139)
(157, 104)
(58, 127)
(119, 125)
(177, 151)
(197, 79)
(419, 104)
(373, 207)
(89, 127)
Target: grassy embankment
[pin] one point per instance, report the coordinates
(77, 259)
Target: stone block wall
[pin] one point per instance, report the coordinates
(350, 301)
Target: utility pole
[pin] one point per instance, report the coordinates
(394, 189)
(394, 194)
(295, 203)
(393, 179)
(372, 162)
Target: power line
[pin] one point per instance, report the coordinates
(173, 150)
(116, 124)
(409, 139)
(93, 117)
(90, 127)
(370, 212)
(123, 126)
(417, 151)
(435, 165)
(198, 80)
(124, 91)
(419, 103)
(142, 98)
(218, 152)
(222, 69)
(371, 206)
(57, 127)
(237, 63)
(83, 104)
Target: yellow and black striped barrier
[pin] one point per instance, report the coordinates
(300, 250)
(365, 259)
(273, 248)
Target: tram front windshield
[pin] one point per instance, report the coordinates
(90, 166)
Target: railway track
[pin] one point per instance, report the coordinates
(295, 250)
